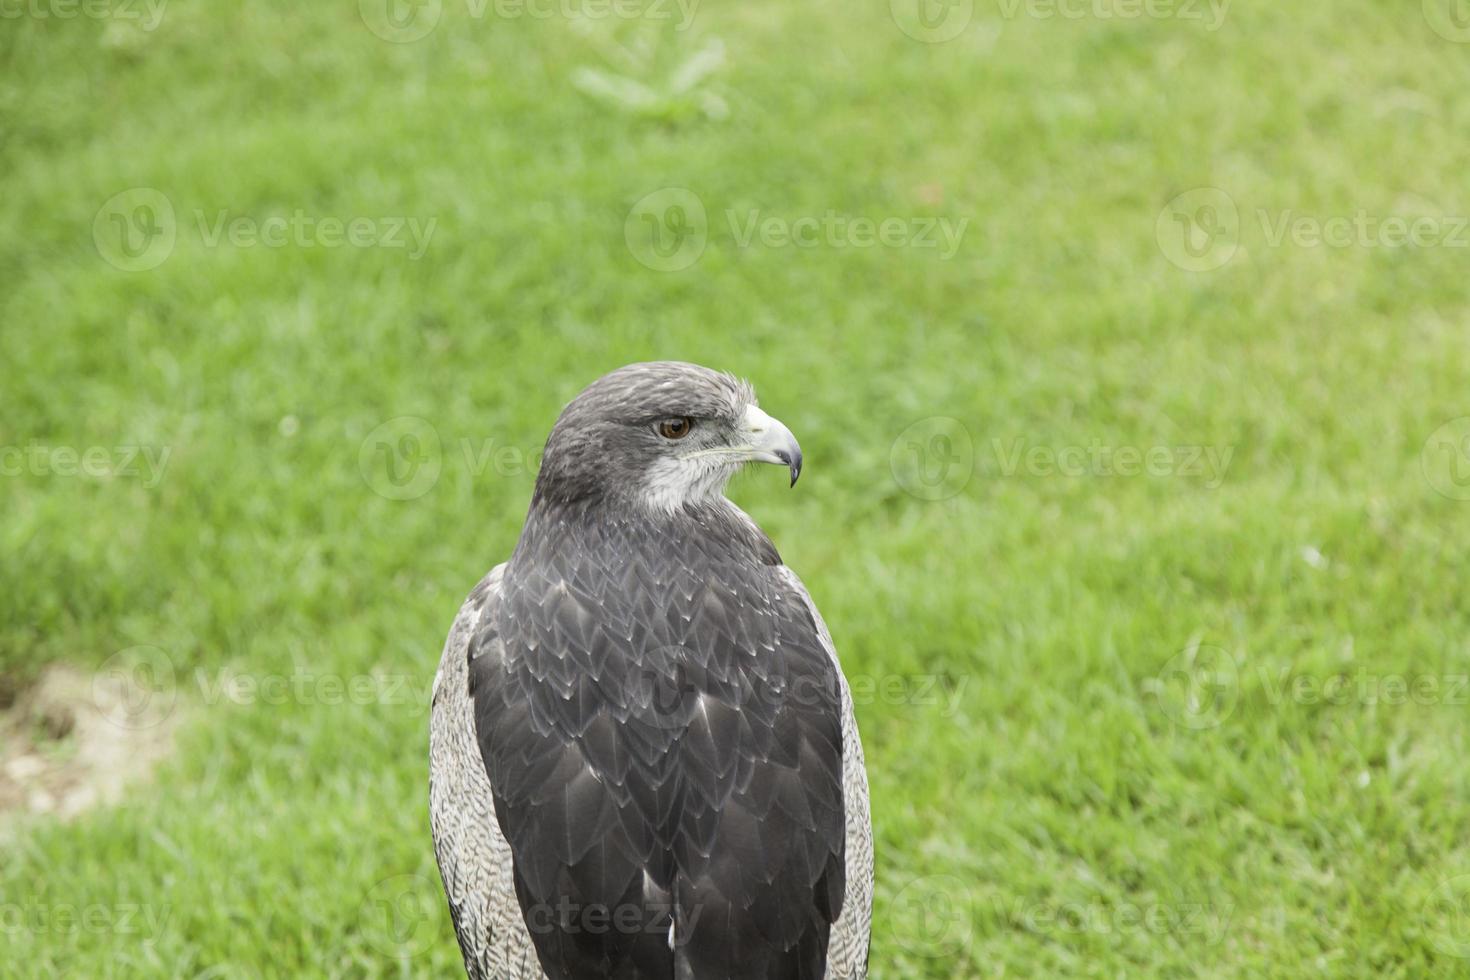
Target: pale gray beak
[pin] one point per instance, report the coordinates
(769, 441)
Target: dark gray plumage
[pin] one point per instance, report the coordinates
(643, 756)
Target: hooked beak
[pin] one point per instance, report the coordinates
(768, 441)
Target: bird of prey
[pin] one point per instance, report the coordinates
(643, 759)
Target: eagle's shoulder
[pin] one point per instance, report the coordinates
(466, 624)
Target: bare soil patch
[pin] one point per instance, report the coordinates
(74, 740)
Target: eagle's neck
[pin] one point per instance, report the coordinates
(595, 536)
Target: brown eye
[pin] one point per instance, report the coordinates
(675, 428)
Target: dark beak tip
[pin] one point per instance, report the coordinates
(793, 461)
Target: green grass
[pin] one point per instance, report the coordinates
(1070, 812)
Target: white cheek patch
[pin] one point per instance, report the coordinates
(672, 482)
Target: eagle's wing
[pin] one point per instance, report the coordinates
(847, 950)
(474, 859)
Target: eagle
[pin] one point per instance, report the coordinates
(643, 758)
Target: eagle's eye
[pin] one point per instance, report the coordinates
(675, 428)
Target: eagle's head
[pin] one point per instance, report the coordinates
(661, 435)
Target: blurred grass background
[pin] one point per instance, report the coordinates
(1076, 809)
